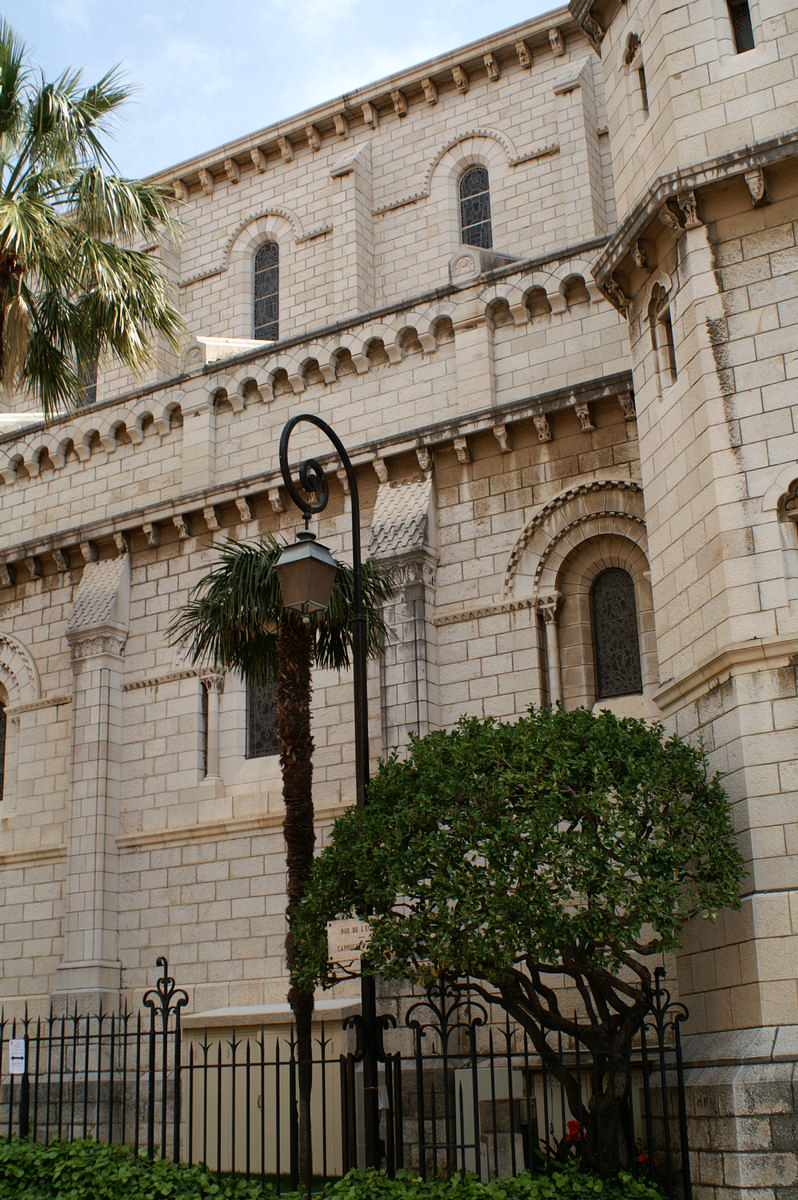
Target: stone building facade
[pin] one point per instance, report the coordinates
(544, 289)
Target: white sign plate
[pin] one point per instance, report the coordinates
(346, 940)
(16, 1056)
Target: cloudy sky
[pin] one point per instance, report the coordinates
(209, 72)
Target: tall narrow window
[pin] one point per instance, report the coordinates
(88, 381)
(659, 315)
(262, 737)
(617, 651)
(743, 30)
(475, 225)
(267, 286)
(3, 724)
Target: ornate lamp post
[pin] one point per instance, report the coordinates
(306, 583)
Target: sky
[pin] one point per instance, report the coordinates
(207, 73)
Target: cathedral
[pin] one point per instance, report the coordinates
(545, 290)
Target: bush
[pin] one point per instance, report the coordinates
(564, 1183)
(88, 1170)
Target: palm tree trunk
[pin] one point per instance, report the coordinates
(294, 690)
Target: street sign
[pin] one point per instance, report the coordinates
(346, 941)
(16, 1056)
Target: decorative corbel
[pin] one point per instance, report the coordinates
(626, 401)
(89, 552)
(313, 136)
(689, 205)
(669, 220)
(34, 567)
(524, 53)
(639, 256)
(462, 450)
(492, 67)
(370, 114)
(757, 187)
(582, 411)
(424, 458)
(61, 560)
(211, 518)
(460, 79)
(244, 510)
(286, 149)
(542, 426)
(501, 434)
(206, 181)
(150, 532)
(341, 125)
(180, 190)
(380, 468)
(430, 91)
(180, 523)
(275, 499)
(232, 170)
(399, 102)
(556, 41)
(258, 159)
(6, 575)
(120, 541)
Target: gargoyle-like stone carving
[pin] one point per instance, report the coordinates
(244, 510)
(556, 41)
(286, 149)
(492, 67)
(689, 206)
(232, 170)
(313, 136)
(399, 102)
(502, 437)
(258, 159)
(460, 79)
(757, 186)
(462, 450)
(524, 54)
(583, 413)
(542, 426)
(206, 181)
(430, 91)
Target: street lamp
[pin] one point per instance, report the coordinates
(306, 580)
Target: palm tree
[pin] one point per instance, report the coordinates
(72, 289)
(236, 618)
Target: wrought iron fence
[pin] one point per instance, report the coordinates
(460, 1088)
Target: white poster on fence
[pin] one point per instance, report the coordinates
(16, 1056)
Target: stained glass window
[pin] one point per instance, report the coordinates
(475, 226)
(267, 285)
(612, 603)
(262, 719)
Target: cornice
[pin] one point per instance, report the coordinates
(52, 701)
(668, 187)
(154, 680)
(361, 111)
(484, 610)
(742, 658)
(203, 831)
(205, 513)
(33, 854)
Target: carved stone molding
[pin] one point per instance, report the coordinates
(524, 54)
(757, 187)
(97, 644)
(583, 413)
(399, 102)
(492, 67)
(546, 606)
(430, 91)
(232, 170)
(460, 78)
(485, 610)
(213, 681)
(341, 125)
(556, 41)
(542, 426)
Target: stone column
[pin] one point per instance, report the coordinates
(546, 608)
(90, 974)
(213, 683)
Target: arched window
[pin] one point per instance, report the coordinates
(267, 286)
(615, 641)
(475, 226)
(262, 737)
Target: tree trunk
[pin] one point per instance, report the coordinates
(294, 690)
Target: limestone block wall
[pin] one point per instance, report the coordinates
(704, 100)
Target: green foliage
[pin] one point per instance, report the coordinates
(566, 1182)
(234, 610)
(71, 287)
(565, 838)
(88, 1170)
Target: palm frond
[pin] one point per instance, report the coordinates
(68, 225)
(234, 611)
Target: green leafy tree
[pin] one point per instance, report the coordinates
(565, 844)
(72, 289)
(236, 618)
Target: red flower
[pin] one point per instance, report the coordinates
(645, 1160)
(574, 1133)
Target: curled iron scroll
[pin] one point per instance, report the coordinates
(312, 477)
